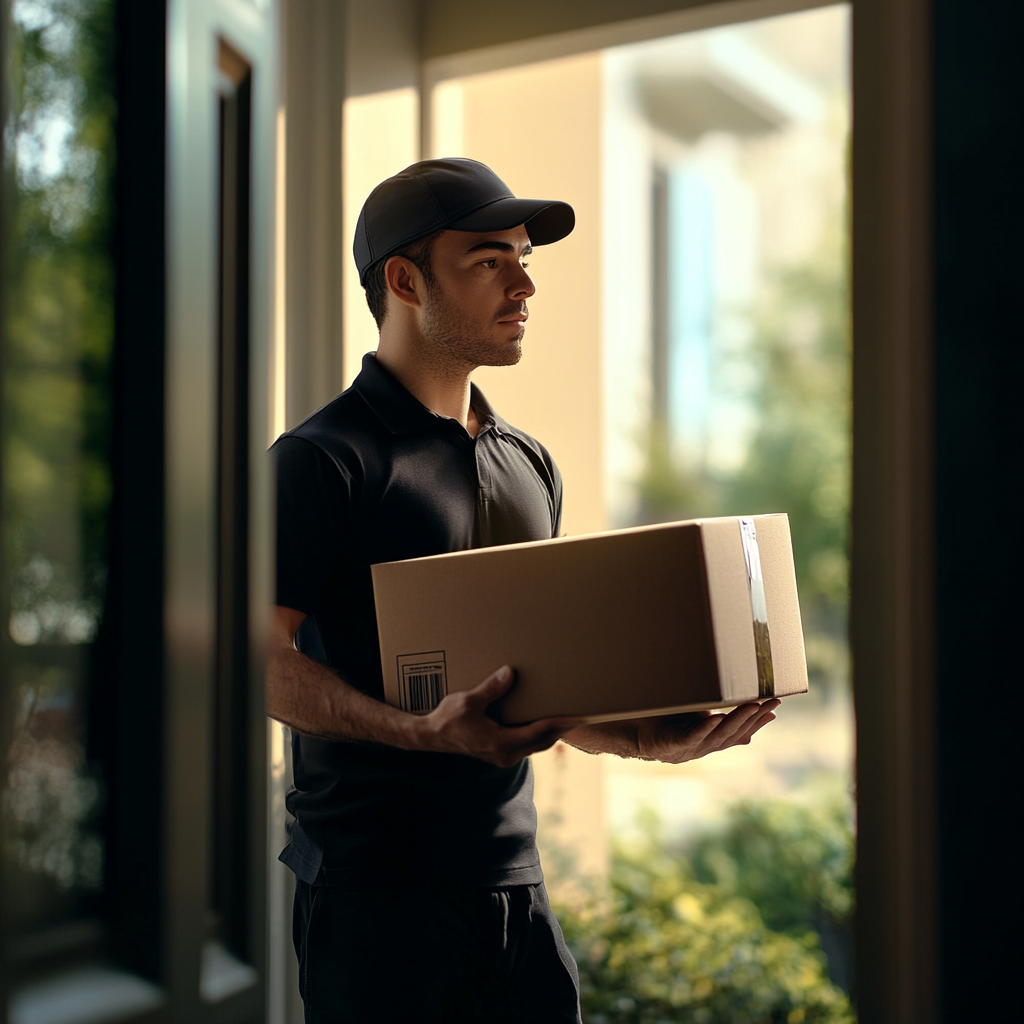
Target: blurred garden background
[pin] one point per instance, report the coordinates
(745, 922)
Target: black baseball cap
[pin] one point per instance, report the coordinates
(454, 193)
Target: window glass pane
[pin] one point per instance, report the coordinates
(57, 339)
(687, 356)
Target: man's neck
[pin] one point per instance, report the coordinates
(442, 387)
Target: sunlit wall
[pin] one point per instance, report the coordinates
(380, 137)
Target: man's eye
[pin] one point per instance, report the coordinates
(491, 263)
(524, 263)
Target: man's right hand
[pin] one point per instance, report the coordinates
(460, 725)
(312, 700)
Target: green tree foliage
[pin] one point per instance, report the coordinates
(793, 862)
(798, 460)
(673, 939)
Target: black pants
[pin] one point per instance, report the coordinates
(418, 956)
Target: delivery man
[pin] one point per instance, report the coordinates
(419, 892)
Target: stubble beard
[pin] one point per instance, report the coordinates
(461, 341)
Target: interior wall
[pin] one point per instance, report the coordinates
(384, 45)
(314, 62)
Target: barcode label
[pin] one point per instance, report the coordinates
(422, 681)
(425, 690)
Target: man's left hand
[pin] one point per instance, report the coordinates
(675, 738)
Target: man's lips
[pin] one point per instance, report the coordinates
(514, 318)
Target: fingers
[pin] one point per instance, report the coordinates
(496, 685)
(741, 723)
(517, 736)
(463, 725)
(719, 731)
(724, 726)
(545, 741)
(756, 723)
(516, 742)
(519, 741)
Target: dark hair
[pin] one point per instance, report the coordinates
(418, 253)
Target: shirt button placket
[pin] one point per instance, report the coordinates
(481, 449)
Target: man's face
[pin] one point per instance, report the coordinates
(475, 311)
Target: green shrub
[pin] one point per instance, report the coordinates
(660, 945)
(793, 862)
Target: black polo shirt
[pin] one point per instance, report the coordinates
(374, 476)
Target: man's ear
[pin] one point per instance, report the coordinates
(404, 281)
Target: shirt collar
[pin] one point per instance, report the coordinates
(401, 412)
(485, 415)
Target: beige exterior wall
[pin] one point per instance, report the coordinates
(539, 127)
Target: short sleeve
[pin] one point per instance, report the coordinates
(312, 499)
(556, 477)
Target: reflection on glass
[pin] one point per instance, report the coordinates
(57, 341)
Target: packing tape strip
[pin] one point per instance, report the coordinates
(759, 607)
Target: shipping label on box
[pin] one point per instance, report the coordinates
(422, 681)
(649, 620)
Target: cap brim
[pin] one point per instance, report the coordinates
(546, 220)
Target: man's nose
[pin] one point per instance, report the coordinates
(521, 286)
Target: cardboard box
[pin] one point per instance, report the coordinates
(649, 620)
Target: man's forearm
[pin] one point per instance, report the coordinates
(309, 698)
(312, 700)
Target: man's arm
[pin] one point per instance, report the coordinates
(309, 698)
(674, 738)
